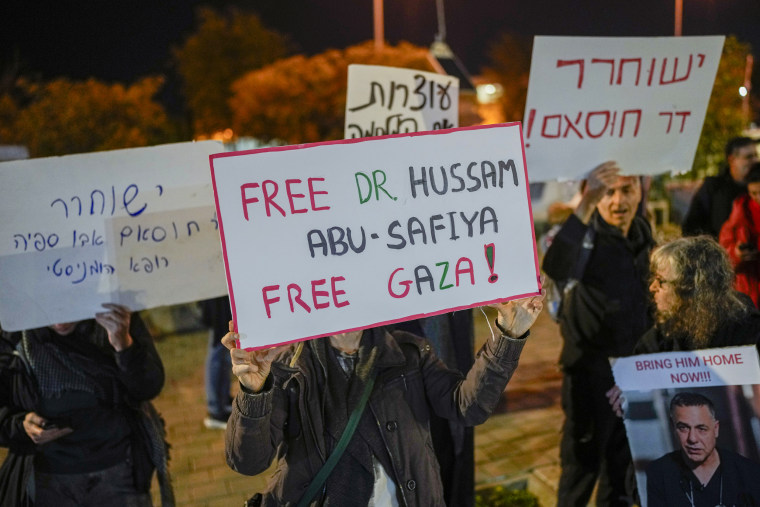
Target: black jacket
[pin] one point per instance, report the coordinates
(608, 310)
(711, 205)
(669, 481)
(744, 331)
(140, 377)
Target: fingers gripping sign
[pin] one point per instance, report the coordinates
(517, 316)
(250, 367)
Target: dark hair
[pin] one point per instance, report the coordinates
(687, 399)
(753, 176)
(736, 143)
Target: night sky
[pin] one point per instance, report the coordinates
(122, 41)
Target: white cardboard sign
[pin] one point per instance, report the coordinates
(344, 235)
(639, 101)
(389, 100)
(709, 367)
(136, 227)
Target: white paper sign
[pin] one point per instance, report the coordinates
(136, 227)
(344, 235)
(639, 101)
(389, 100)
(709, 367)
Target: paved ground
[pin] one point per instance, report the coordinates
(517, 445)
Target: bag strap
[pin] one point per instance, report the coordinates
(587, 245)
(332, 460)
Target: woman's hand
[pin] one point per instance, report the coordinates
(116, 323)
(251, 368)
(615, 397)
(41, 431)
(517, 316)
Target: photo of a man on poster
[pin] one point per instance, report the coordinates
(699, 472)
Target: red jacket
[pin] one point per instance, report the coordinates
(743, 227)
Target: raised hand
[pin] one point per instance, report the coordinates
(40, 431)
(251, 368)
(116, 323)
(599, 179)
(517, 316)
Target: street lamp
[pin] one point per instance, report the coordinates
(379, 24)
(679, 17)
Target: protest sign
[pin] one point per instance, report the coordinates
(136, 227)
(338, 236)
(639, 101)
(728, 378)
(388, 100)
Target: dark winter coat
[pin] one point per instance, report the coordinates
(606, 313)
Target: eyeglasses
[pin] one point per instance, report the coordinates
(661, 281)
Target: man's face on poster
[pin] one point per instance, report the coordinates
(697, 432)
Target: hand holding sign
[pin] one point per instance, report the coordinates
(251, 368)
(517, 316)
(116, 323)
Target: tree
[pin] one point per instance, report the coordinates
(63, 117)
(301, 100)
(509, 66)
(724, 118)
(225, 47)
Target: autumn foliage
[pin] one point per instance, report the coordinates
(62, 117)
(303, 99)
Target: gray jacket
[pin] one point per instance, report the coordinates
(285, 420)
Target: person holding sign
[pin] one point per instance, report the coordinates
(75, 416)
(699, 473)
(346, 416)
(696, 304)
(601, 256)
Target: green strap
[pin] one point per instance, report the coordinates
(332, 460)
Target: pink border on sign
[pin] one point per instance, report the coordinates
(366, 140)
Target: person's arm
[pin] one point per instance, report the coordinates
(255, 428)
(472, 399)
(140, 368)
(561, 256)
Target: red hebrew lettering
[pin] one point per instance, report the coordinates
(683, 115)
(579, 63)
(651, 72)
(592, 114)
(558, 117)
(638, 121)
(611, 63)
(675, 69)
(623, 61)
(670, 119)
(701, 59)
(570, 125)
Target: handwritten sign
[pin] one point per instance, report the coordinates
(639, 101)
(388, 100)
(136, 227)
(709, 367)
(326, 238)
